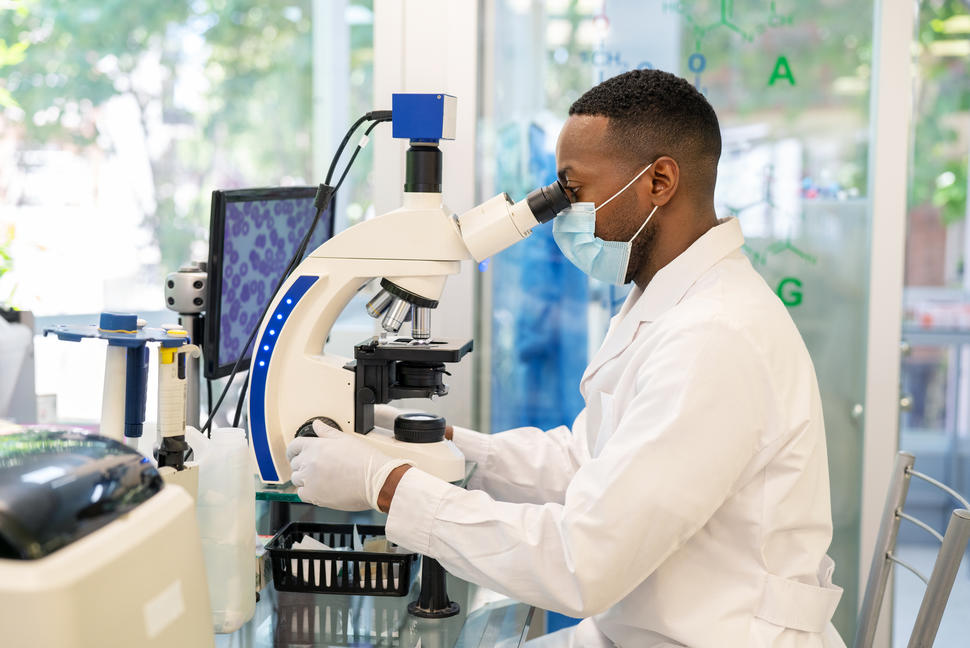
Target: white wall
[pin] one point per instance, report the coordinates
(891, 110)
(331, 68)
(432, 46)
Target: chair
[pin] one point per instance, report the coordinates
(939, 584)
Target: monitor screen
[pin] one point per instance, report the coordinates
(253, 233)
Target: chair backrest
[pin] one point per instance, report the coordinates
(939, 584)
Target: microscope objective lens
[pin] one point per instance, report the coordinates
(420, 323)
(379, 303)
(395, 315)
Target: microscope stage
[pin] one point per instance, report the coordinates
(404, 349)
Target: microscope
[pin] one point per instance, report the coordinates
(412, 251)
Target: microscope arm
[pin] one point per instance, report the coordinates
(414, 249)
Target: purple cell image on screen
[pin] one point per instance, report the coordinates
(260, 238)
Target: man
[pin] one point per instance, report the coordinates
(689, 503)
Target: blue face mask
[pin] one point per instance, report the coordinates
(574, 230)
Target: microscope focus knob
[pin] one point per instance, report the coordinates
(418, 427)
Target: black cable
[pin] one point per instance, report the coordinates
(299, 255)
(239, 404)
(376, 116)
(208, 390)
(328, 199)
(340, 149)
(354, 155)
(325, 197)
(340, 182)
(252, 336)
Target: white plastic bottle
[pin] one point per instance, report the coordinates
(227, 523)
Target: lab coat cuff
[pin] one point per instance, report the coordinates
(474, 445)
(410, 520)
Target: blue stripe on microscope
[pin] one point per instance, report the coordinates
(260, 368)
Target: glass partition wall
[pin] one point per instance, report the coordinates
(791, 84)
(935, 371)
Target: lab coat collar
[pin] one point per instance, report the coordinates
(670, 284)
(666, 289)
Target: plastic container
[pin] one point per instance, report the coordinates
(227, 523)
(337, 572)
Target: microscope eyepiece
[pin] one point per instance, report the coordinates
(546, 202)
(498, 222)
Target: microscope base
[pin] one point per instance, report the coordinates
(442, 459)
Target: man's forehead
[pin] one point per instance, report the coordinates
(582, 142)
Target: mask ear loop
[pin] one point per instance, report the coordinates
(644, 224)
(625, 187)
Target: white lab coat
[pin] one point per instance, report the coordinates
(688, 505)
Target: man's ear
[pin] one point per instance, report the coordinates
(662, 179)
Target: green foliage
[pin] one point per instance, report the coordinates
(11, 54)
(249, 126)
(939, 163)
(950, 193)
(82, 53)
(6, 259)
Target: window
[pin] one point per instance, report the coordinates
(935, 371)
(117, 121)
(790, 83)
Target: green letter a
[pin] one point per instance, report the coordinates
(782, 71)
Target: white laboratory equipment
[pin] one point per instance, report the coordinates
(18, 402)
(226, 511)
(412, 250)
(95, 549)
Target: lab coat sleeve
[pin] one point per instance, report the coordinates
(525, 465)
(676, 454)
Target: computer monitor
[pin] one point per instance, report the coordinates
(253, 234)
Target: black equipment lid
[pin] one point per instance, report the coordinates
(57, 486)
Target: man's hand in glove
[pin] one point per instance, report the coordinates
(338, 471)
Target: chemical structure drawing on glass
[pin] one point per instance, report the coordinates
(770, 209)
(778, 247)
(761, 183)
(761, 180)
(789, 289)
(603, 60)
(700, 29)
(765, 200)
(759, 187)
(608, 62)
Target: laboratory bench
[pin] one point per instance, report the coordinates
(287, 619)
(290, 619)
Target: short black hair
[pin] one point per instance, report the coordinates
(654, 113)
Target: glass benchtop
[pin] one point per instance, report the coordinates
(291, 620)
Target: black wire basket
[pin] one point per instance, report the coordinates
(337, 572)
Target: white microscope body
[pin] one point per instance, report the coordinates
(413, 249)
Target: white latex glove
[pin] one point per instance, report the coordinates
(337, 470)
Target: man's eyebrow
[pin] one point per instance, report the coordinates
(562, 173)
